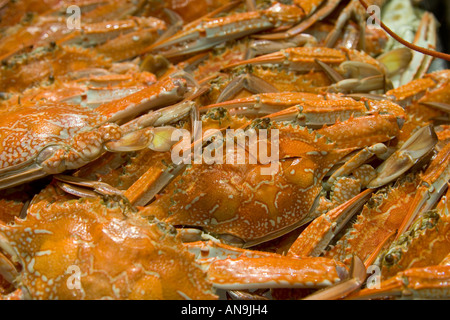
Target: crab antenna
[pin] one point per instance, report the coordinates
(432, 53)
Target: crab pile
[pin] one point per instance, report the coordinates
(98, 199)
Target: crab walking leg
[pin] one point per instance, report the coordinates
(415, 148)
(376, 225)
(338, 291)
(416, 283)
(357, 160)
(273, 272)
(7, 269)
(260, 47)
(228, 267)
(297, 59)
(425, 37)
(212, 31)
(174, 32)
(321, 13)
(434, 182)
(98, 33)
(432, 89)
(303, 108)
(425, 243)
(316, 237)
(356, 10)
(248, 82)
(151, 183)
(349, 70)
(165, 92)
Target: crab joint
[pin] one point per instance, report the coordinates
(236, 147)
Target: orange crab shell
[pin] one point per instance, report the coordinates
(44, 64)
(86, 249)
(237, 199)
(25, 133)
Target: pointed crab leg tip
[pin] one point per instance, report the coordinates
(69, 183)
(358, 269)
(346, 287)
(417, 146)
(329, 71)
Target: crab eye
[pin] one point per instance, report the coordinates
(389, 259)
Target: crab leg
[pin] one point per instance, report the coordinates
(151, 183)
(351, 10)
(170, 37)
(406, 93)
(260, 47)
(425, 243)
(101, 32)
(376, 225)
(378, 127)
(357, 160)
(249, 82)
(7, 269)
(297, 59)
(359, 73)
(316, 114)
(425, 37)
(211, 32)
(344, 288)
(434, 182)
(273, 272)
(316, 237)
(267, 102)
(310, 109)
(167, 91)
(228, 267)
(423, 283)
(415, 148)
(321, 13)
